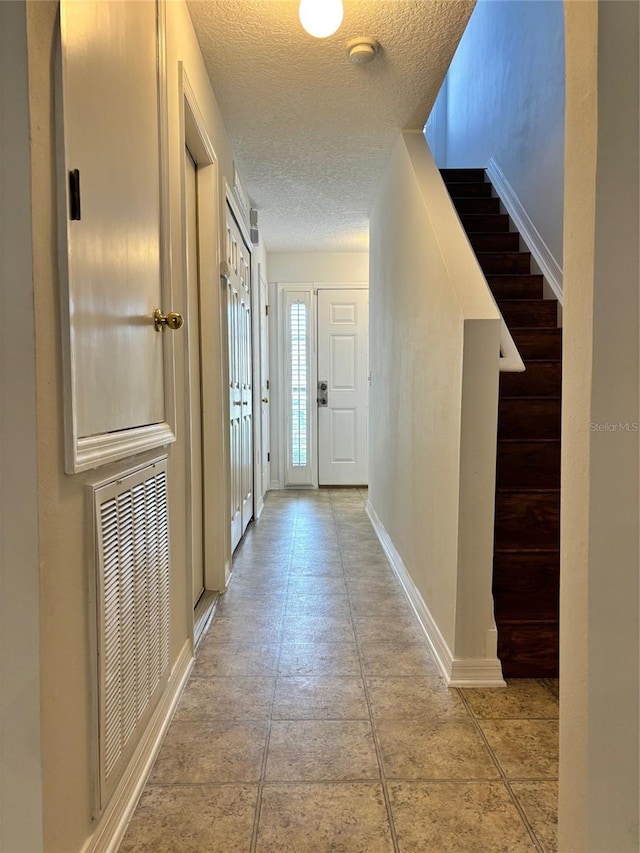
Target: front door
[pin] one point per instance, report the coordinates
(343, 366)
(240, 379)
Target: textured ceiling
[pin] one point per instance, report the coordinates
(311, 131)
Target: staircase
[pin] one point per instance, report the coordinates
(526, 562)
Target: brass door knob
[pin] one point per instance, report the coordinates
(265, 399)
(172, 320)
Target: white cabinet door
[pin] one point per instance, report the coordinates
(109, 114)
(238, 260)
(343, 364)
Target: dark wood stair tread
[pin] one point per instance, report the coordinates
(469, 189)
(457, 175)
(477, 205)
(474, 223)
(538, 343)
(508, 262)
(540, 379)
(528, 464)
(529, 417)
(495, 241)
(529, 313)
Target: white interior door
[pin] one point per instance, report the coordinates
(264, 386)
(240, 379)
(115, 369)
(195, 472)
(343, 364)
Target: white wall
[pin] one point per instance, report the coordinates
(307, 269)
(20, 758)
(600, 578)
(505, 99)
(434, 334)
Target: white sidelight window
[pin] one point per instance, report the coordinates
(299, 468)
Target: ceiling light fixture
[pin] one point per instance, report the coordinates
(362, 49)
(321, 18)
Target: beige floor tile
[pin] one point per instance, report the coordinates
(382, 585)
(211, 752)
(382, 658)
(264, 630)
(318, 629)
(375, 629)
(328, 818)
(523, 698)
(323, 569)
(250, 608)
(174, 819)
(414, 698)
(446, 817)
(423, 749)
(226, 698)
(319, 659)
(314, 584)
(235, 659)
(392, 606)
(525, 749)
(539, 800)
(321, 750)
(320, 698)
(317, 604)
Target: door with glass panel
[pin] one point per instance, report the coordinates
(343, 387)
(238, 260)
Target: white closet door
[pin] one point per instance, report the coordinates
(111, 144)
(343, 364)
(240, 380)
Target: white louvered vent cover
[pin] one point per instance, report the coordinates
(132, 612)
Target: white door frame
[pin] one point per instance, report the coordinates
(216, 549)
(279, 434)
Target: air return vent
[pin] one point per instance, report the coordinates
(132, 598)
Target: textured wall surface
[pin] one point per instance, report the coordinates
(312, 132)
(505, 99)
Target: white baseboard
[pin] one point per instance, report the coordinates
(470, 672)
(111, 827)
(259, 507)
(549, 266)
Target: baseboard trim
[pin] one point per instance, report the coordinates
(470, 672)
(111, 827)
(549, 266)
(259, 507)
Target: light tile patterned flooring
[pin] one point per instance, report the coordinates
(315, 719)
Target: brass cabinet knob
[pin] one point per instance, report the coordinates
(172, 320)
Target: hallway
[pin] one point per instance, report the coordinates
(315, 719)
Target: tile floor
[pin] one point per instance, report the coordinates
(315, 719)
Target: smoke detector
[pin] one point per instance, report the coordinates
(362, 50)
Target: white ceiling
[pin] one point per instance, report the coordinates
(311, 131)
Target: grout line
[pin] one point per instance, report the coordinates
(374, 734)
(261, 783)
(503, 775)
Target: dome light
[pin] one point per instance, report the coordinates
(321, 18)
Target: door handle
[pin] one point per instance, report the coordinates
(244, 403)
(237, 403)
(172, 320)
(323, 395)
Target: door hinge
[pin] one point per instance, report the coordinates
(268, 457)
(267, 384)
(266, 310)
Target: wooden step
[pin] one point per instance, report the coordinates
(469, 189)
(477, 205)
(525, 584)
(540, 379)
(526, 520)
(515, 286)
(529, 649)
(523, 464)
(529, 313)
(504, 262)
(457, 175)
(538, 343)
(529, 418)
(482, 222)
(495, 241)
